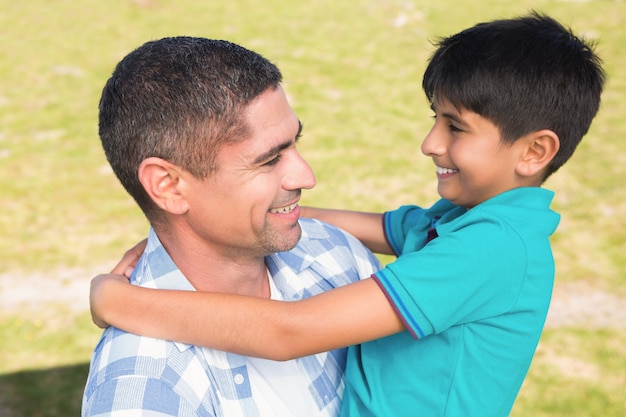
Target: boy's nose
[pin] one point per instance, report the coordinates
(432, 145)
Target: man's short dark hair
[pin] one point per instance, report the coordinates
(180, 99)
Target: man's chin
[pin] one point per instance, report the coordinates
(289, 239)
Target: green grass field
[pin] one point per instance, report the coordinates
(353, 72)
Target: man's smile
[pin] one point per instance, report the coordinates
(284, 210)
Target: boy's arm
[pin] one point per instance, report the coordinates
(250, 326)
(367, 227)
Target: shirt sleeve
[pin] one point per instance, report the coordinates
(469, 273)
(136, 396)
(396, 225)
(408, 225)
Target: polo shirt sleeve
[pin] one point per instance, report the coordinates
(403, 224)
(472, 271)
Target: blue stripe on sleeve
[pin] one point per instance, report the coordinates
(399, 305)
(389, 236)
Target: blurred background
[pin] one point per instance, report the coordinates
(353, 72)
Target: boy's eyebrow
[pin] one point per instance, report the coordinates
(450, 116)
(281, 146)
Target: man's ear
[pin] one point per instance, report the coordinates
(161, 180)
(539, 148)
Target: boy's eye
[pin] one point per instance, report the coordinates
(451, 126)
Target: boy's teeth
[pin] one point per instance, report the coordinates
(441, 170)
(287, 209)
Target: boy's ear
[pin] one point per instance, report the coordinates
(161, 180)
(540, 147)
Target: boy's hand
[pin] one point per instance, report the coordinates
(101, 296)
(129, 260)
(120, 273)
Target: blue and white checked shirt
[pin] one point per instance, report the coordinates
(132, 375)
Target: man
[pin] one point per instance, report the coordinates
(200, 133)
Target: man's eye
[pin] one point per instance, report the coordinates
(453, 128)
(273, 161)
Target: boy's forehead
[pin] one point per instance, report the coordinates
(460, 114)
(441, 102)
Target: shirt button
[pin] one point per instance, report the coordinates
(239, 379)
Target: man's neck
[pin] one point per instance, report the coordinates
(215, 271)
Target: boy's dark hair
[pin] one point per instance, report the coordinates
(524, 75)
(180, 99)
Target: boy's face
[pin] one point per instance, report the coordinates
(473, 164)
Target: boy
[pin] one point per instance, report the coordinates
(474, 274)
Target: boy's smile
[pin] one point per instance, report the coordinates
(445, 172)
(472, 162)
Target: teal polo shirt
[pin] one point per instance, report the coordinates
(474, 301)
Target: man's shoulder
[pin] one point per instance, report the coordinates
(124, 362)
(329, 251)
(315, 232)
(123, 353)
(320, 239)
(317, 229)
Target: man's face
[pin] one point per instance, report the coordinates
(249, 206)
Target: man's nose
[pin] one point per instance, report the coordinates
(300, 176)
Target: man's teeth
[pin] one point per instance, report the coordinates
(442, 170)
(286, 209)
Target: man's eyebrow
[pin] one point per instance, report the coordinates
(270, 153)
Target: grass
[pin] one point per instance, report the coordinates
(45, 360)
(577, 372)
(352, 70)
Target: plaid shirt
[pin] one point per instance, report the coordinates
(132, 375)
